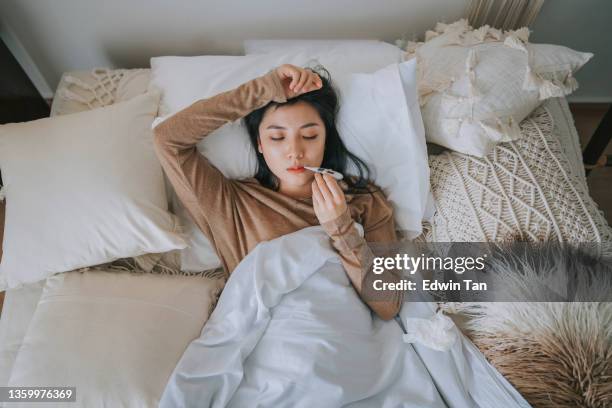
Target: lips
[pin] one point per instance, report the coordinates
(296, 169)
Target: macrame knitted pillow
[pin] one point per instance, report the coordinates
(523, 188)
(79, 91)
(475, 86)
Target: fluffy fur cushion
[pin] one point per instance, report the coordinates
(555, 354)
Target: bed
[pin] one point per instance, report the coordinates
(85, 90)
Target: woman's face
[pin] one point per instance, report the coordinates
(292, 136)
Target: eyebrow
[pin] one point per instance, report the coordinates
(311, 124)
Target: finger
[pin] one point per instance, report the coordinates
(297, 82)
(304, 77)
(317, 198)
(281, 71)
(298, 79)
(323, 187)
(312, 84)
(315, 79)
(295, 76)
(333, 186)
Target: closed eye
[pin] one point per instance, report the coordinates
(305, 137)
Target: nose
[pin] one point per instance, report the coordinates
(295, 150)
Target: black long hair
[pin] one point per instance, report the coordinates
(336, 156)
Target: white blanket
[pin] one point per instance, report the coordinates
(290, 331)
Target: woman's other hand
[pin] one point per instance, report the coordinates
(297, 80)
(327, 198)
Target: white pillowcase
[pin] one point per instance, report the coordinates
(81, 190)
(115, 336)
(380, 122)
(362, 55)
(375, 122)
(476, 86)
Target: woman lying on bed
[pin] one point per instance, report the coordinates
(290, 115)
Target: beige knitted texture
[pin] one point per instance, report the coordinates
(522, 189)
(79, 91)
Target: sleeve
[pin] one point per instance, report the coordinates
(357, 257)
(201, 187)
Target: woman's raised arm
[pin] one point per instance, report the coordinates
(180, 133)
(200, 186)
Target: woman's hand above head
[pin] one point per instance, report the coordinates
(327, 198)
(297, 80)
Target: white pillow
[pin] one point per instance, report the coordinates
(375, 122)
(81, 190)
(115, 336)
(380, 122)
(360, 55)
(476, 86)
(199, 255)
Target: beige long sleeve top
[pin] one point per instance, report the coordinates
(236, 215)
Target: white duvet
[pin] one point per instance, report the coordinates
(290, 331)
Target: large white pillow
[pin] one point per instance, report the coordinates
(476, 86)
(360, 55)
(115, 336)
(379, 120)
(82, 189)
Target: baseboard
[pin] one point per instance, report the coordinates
(23, 58)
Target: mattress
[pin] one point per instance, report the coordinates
(17, 312)
(83, 90)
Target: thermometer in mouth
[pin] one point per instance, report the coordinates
(322, 170)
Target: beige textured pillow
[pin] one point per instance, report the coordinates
(475, 86)
(116, 336)
(79, 91)
(523, 188)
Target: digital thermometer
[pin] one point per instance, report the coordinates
(322, 170)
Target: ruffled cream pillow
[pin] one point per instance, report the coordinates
(475, 86)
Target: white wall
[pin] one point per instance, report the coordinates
(64, 35)
(584, 25)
